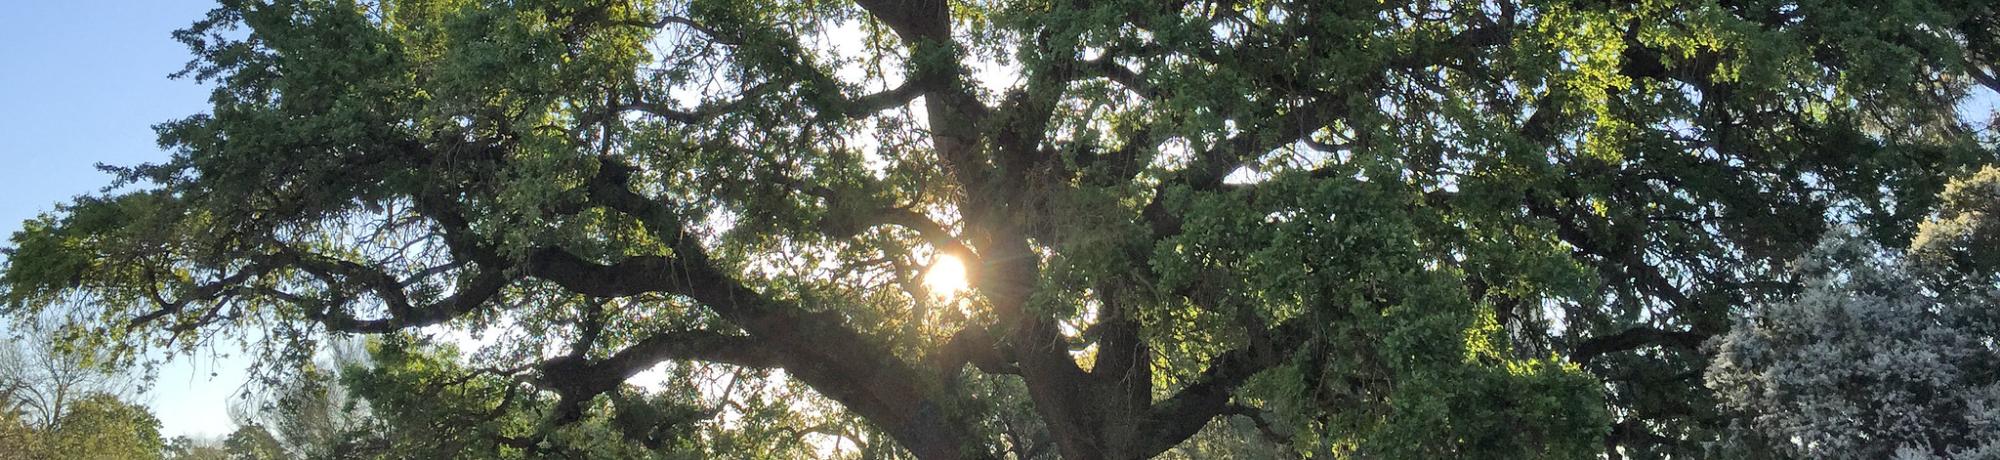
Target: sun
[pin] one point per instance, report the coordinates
(946, 276)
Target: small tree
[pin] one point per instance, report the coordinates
(100, 426)
(57, 402)
(253, 442)
(44, 381)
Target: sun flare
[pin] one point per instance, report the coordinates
(946, 276)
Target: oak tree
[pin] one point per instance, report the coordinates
(1465, 229)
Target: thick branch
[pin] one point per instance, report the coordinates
(1187, 411)
(885, 100)
(914, 20)
(1982, 76)
(714, 35)
(972, 345)
(578, 380)
(1634, 338)
(1108, 69)
(817, 348)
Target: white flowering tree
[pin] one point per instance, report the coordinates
(1880, 355)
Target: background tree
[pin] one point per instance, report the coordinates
(101, 426)
(252, 442)
(187, 448)
(95, 426)
(1881, 355)
(62, 401)
(1472, 229)
(44, 377)
(304, 413)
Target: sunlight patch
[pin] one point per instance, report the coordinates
(946, 276)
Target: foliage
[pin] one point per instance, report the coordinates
(17, 439)
(1478, 229)
(1959, 242)
(253, 442)
(101, 426)
(1879, 355)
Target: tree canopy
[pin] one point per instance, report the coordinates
(1884, 353)
(1445, 229)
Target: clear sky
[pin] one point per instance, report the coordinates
(83, 82)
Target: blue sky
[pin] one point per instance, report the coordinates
(84, 83)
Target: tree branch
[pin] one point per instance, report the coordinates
(972, 345)
(683, 21)
(578, 379)
(817, 348)
(1179, 416)
(914, 20)
(1108, 69)
(476, 290)
(1634, 338)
